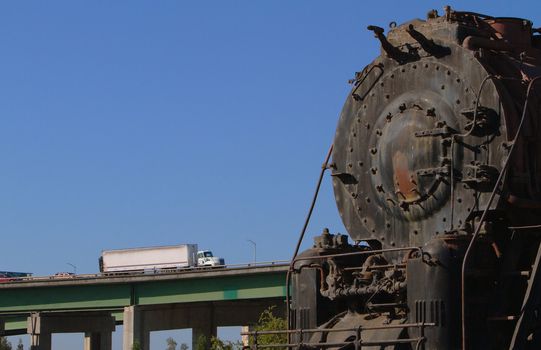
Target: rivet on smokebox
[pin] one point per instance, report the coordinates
(404, 206)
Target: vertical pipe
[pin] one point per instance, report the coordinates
(485, 212)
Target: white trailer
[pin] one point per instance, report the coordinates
(149, 258)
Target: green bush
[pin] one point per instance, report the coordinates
(218, 344)
(201, 343)
(5, 344)
(269, 322)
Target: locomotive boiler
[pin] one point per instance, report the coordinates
(436, 169)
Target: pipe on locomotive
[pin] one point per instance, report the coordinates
(324, 167)
(491, 198)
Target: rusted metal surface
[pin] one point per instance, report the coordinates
(436, 169)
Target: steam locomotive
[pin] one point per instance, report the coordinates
(436, 169)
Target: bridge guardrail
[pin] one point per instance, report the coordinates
(150, 272)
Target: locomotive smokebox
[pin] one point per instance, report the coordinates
(422, 136)
(436, 169)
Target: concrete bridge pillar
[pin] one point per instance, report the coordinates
(135, 331)
(203, 325)
(98, 328)
(139, 321)
(98, 340)
(40, 337)
(245, 339)
(40, 341)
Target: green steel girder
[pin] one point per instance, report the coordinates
(64, 298)
(118, 295)
(15, 325)
(212, 289)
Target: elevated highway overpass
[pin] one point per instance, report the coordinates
(94, 304)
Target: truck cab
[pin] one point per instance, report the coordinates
(206, 258)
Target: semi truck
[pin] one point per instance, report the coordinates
(9, 276)
(148, 259)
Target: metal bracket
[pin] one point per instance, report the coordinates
(345, 178)
(481, 177)
(443, 131)
(444, 170)
(486, 120)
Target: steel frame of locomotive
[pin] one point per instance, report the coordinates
(436, 178)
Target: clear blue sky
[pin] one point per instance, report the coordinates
(139, 123)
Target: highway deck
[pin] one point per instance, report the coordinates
(115, 292)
